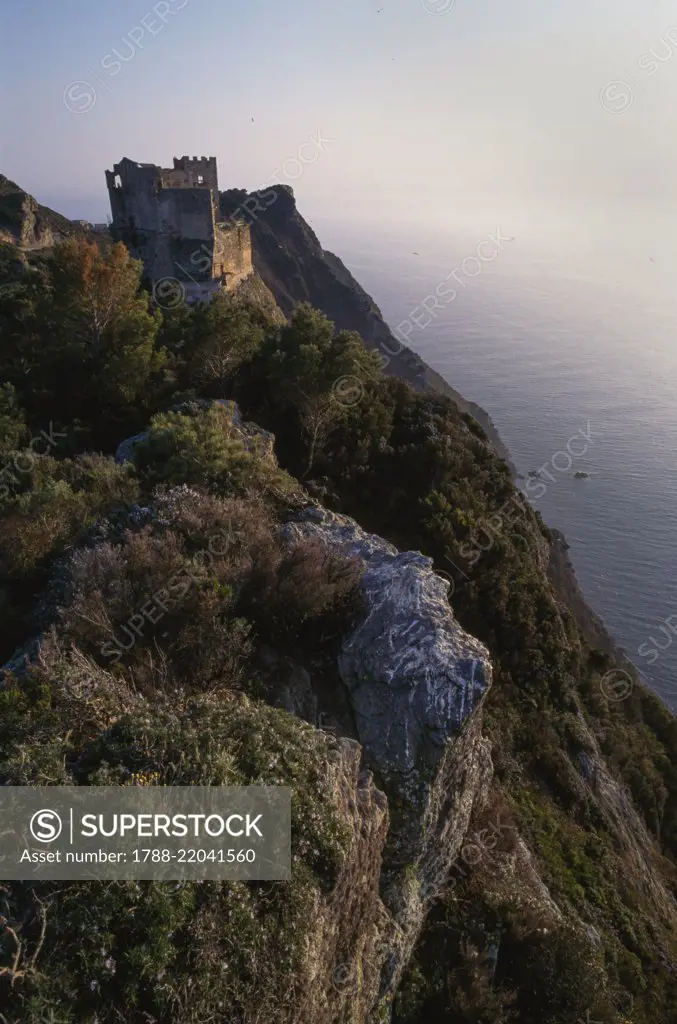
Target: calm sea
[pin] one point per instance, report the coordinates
(570, 330)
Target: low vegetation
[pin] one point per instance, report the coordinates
(192, 531)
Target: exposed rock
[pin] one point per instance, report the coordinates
(416, 683)
(562, 575)
(343, 962)
(514, 878)
(429, 825)
(542, 549)
(22, 659)
(291, 266)
(293, 685)
(253, 290)
(640, 851)
(250, 433)
(27, 224)
(594, 936)
(125, 450)
(414, 676)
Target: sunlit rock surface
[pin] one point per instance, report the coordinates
(416, 683)
(413, 674)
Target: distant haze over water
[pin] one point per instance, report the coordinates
(573, 326)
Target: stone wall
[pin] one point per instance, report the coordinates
(184, 241)
(167, 218)
(200, 167)
(233, 253)
(132, 188)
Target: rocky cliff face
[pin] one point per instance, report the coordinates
(27, 224)
(394, 711)
(413, 676)
(416, 683)
(290, 267)
(345, 950)
(409, 769)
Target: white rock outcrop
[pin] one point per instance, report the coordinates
(413, 674)
(416, 682)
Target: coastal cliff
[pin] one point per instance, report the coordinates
(26, 223)
(290, 259)
(484, 819)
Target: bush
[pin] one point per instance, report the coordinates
(155, 609)
(206, 450)
(305, 592)
(13, 429)
(139, 951)
(53, 503)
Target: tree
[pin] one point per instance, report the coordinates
(93, 336)
(13, 429)
(226, 337)
(20, 284)
(325, 377)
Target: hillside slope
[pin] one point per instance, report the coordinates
(27, 224)
(484, 797)
(290, 259)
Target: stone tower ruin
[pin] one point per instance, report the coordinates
(170, 219)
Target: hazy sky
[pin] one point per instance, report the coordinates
(423, 100)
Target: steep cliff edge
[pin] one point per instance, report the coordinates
(438, 856)
(461, 852)
(27, 224)
(291, 261)
(415, 684)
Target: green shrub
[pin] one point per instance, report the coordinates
(141, 950)
(206, 450)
